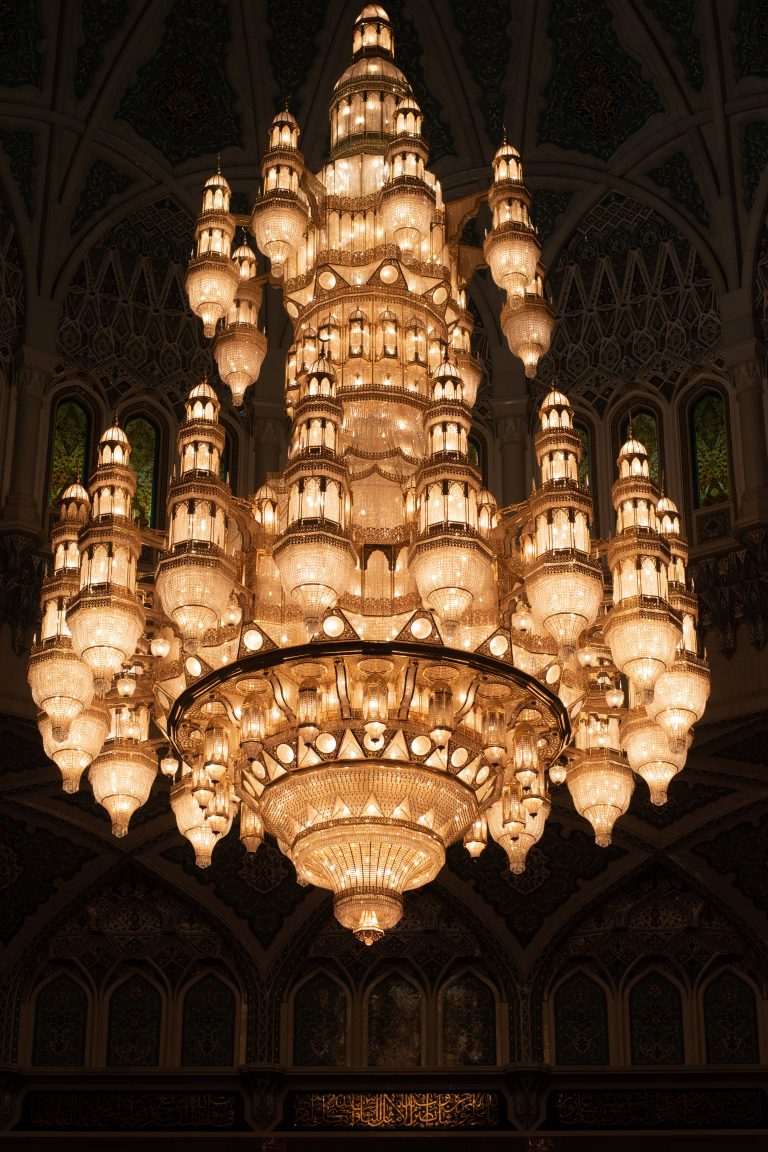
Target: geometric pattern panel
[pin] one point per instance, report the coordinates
(182, 101)
(581, 1021)
(677, 17)
(208, 1026)
(656, 1021)
(135, 1014)
(730, 1021)
(32, 865)
(635, 303)
(320, 1023)
(11, 288)
(125, 320)
(597, 96)
(468, 1009)
(395, 1008)
(554, 870)
(60, 1021)
(740, 854)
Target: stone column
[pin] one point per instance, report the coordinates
(23, 509)
(512, 421)
(746, 366)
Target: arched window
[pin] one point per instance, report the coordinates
(60, 1023)
(476, 453)
(586, 475)
(730, 1021)
(320, 1023)
(581, 1022)
(394, 1023)
(709, 450)
(69, 448)
(208, 1024)
(645, 428)
(133, 1036)
(144, 439)
(468, 1014)
(655, 1021)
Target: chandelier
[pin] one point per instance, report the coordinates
(368, 659)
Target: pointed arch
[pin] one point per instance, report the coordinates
(729, 1011)
(580, 1009)
(467, 1010)
(208, 1022)
(320, 1015)
(394, 1013)
(61, 1019)
(134, 1023)
(656, 1030)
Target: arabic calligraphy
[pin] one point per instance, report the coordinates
(396, 1110)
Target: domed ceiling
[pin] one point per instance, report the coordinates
(642, 126)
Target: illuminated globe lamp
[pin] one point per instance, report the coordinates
(240, 345)
(511, 248)
(195, 576)
(407, 203)
(449, 558)
(123, 773)
(106, 617)
(61, 683)
(280, 213)
(599, 778)
(651, 754)
(73, 752)
(642, 631)
(211, 276)
(563, 584)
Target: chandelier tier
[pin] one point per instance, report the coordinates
(368, 660)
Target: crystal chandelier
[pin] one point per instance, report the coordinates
(368, 660)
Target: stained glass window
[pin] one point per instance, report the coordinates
(645, 428)
(208, 1029)
(581, 1022)
(585, 464)
(320, 1023)
(469, 1021)
(656, 1022)
(709, 433)
(133, 1038)
(225, 462)
(477, 455)
(60, 1022)
(394, 1023)
(730, 1021)
(144, 442)
(69, 452)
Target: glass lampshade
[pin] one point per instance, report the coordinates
(211, 285)
(601, 785)
(74, 752)
(61, 683)
(121, 777)
(680, 696)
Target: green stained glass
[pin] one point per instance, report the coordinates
(224, 461)
(70, 449)
(143, 438)
(645, 428)
(585, 464)
(710, 451)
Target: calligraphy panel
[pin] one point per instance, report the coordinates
(320, 1023)
(468, 1012)
(208, 1026)
(133, 1038)
(656, 1021)
(730, 1021)
(394, 1023)
(581, 1022)
(60, 1024)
